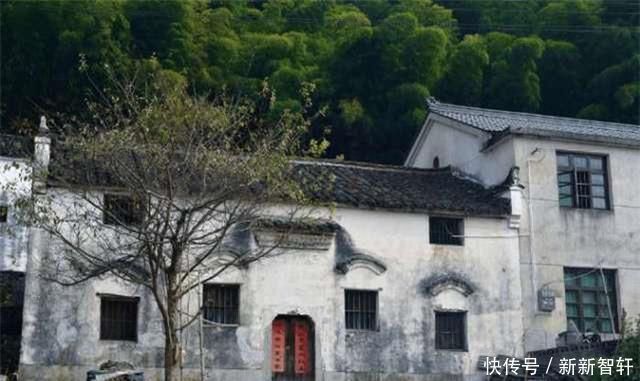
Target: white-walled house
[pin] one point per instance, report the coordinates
(581, 220)
(416, 274)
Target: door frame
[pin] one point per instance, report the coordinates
(313, 343)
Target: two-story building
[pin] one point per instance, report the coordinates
(580, 229)
(500, 228)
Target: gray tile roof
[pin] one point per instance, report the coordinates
(499, 123)
(347, 184)
(371, 186)
(357, 185)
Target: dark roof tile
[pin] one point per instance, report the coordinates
(364, 185)
(498, 122)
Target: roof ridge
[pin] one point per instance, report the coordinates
(435, 104)
(370, 166)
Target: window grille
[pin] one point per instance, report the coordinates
(451, 330)
(122, 210)
(118, 318)
(361, 309)
(222, 303)
(582, 181)
(445, 231)
(586, 299)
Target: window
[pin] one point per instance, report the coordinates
(4, 213)
(582, 181)
(445, 231)
(451, 330)
(118, 318)
(121, 210)
(586, 294)
(222, 303)
(361, 309)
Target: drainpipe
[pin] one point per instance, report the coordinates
(41, 156)
(535, 156)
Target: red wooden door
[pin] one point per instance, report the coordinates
(292, 348)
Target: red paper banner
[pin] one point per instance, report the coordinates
(278, 336)
(301, 347)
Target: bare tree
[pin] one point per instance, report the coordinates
(158, 185)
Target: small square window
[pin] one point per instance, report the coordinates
(222, 303)
(4, 213)
(446, 231)
(451, 330)
(122, 210)
(118, 318)
(361, 309)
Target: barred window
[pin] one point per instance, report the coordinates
(118, 318)
(586, 294)
(445, 231)
(122, 210)
(222, 303)
(582, 181)
(451, 330)
(361, 309)
(4, 213)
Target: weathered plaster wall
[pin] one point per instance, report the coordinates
(14, 239)
(61, 325)
(566, 237)
(559, 237)
(461, 146)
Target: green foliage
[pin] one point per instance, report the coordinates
(463, 82)
(561, 90)
(571, 58)
(515, 84)
(629, 347)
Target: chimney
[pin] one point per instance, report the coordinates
(42, 154)
(515, 195)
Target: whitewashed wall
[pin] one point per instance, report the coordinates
(567, 237)
(61, 325)
(461, 146)
(15, 182)
(558, 237)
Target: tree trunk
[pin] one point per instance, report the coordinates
(172, 348)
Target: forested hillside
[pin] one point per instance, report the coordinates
(373, 62)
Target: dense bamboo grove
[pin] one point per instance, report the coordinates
(373, 62)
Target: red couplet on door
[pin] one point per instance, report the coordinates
(301, 346)
(292, 348)
(278, 345)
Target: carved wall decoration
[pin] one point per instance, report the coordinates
(437, 283)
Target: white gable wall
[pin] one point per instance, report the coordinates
(461, 146)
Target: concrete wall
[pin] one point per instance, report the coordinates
(61, 325)
(566, 237)
(461, 146)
